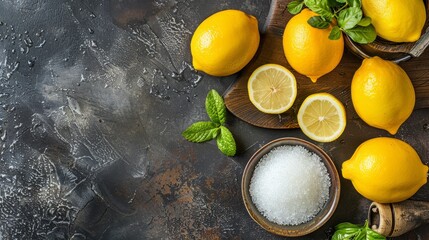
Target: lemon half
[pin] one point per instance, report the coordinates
(272, 88)
(322, 117)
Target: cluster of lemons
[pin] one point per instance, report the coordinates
(381, 91)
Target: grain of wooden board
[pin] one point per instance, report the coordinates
(336, 82)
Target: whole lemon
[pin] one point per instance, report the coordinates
(382, 94)
(309, 50)
(396, 20)
(225, 42)
(385, 170)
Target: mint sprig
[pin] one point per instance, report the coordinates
(347, 13)
(207, 130)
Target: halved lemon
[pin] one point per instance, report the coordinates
(272, 88)
(322, 117)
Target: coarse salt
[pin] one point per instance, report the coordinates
(290, 185)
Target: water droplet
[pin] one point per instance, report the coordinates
(93, 44)
(74, 105)
(66, 59)
(92, 15)
(1, 23)
(31, 63)
(41, 44)
(28, 42)
(426, 127)
(3, 135)
(90, 30)
(140, 82)
(24, 50)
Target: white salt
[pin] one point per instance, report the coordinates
(290, 185)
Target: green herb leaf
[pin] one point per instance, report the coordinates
(295, 7)
(361, 34)
(318, 22)
(335, 3)
(365, 21)
(342, 235)
(361, 234)
(320, 7)
(201, 132)
(349, 231)
(354, 3)
(371, 234)
(346, 225)
(341, 1)
(225, 142)
(215, 107)
(349, 17)
(335, 33)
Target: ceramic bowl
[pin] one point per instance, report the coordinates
(288, 230)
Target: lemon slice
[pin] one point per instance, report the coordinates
(322, 117)
(272, 88)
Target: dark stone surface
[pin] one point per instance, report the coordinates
(94, 96)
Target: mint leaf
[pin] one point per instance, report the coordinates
(215, 107)
(320, 7)
(334, 3)
(295, 7)
(318, 22)
(361, 34)
(365, 21)
(349, 17)
(201, 132)
(225, 142)
(335, 33)
(341, 1)
(354, 3)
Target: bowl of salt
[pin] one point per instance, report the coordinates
(290, 187)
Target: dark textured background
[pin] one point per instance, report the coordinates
(94, 96)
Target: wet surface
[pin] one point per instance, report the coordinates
(94, 96)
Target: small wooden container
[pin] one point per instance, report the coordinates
(395, 219)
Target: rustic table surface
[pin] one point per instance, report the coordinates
(94, 96)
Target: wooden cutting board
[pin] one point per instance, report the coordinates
(336, 82)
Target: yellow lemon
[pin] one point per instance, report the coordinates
(224, 42)
(396, 20)
(322, 117)
(309, 50)
(382, 94)
(385, 170)
(272, 88)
